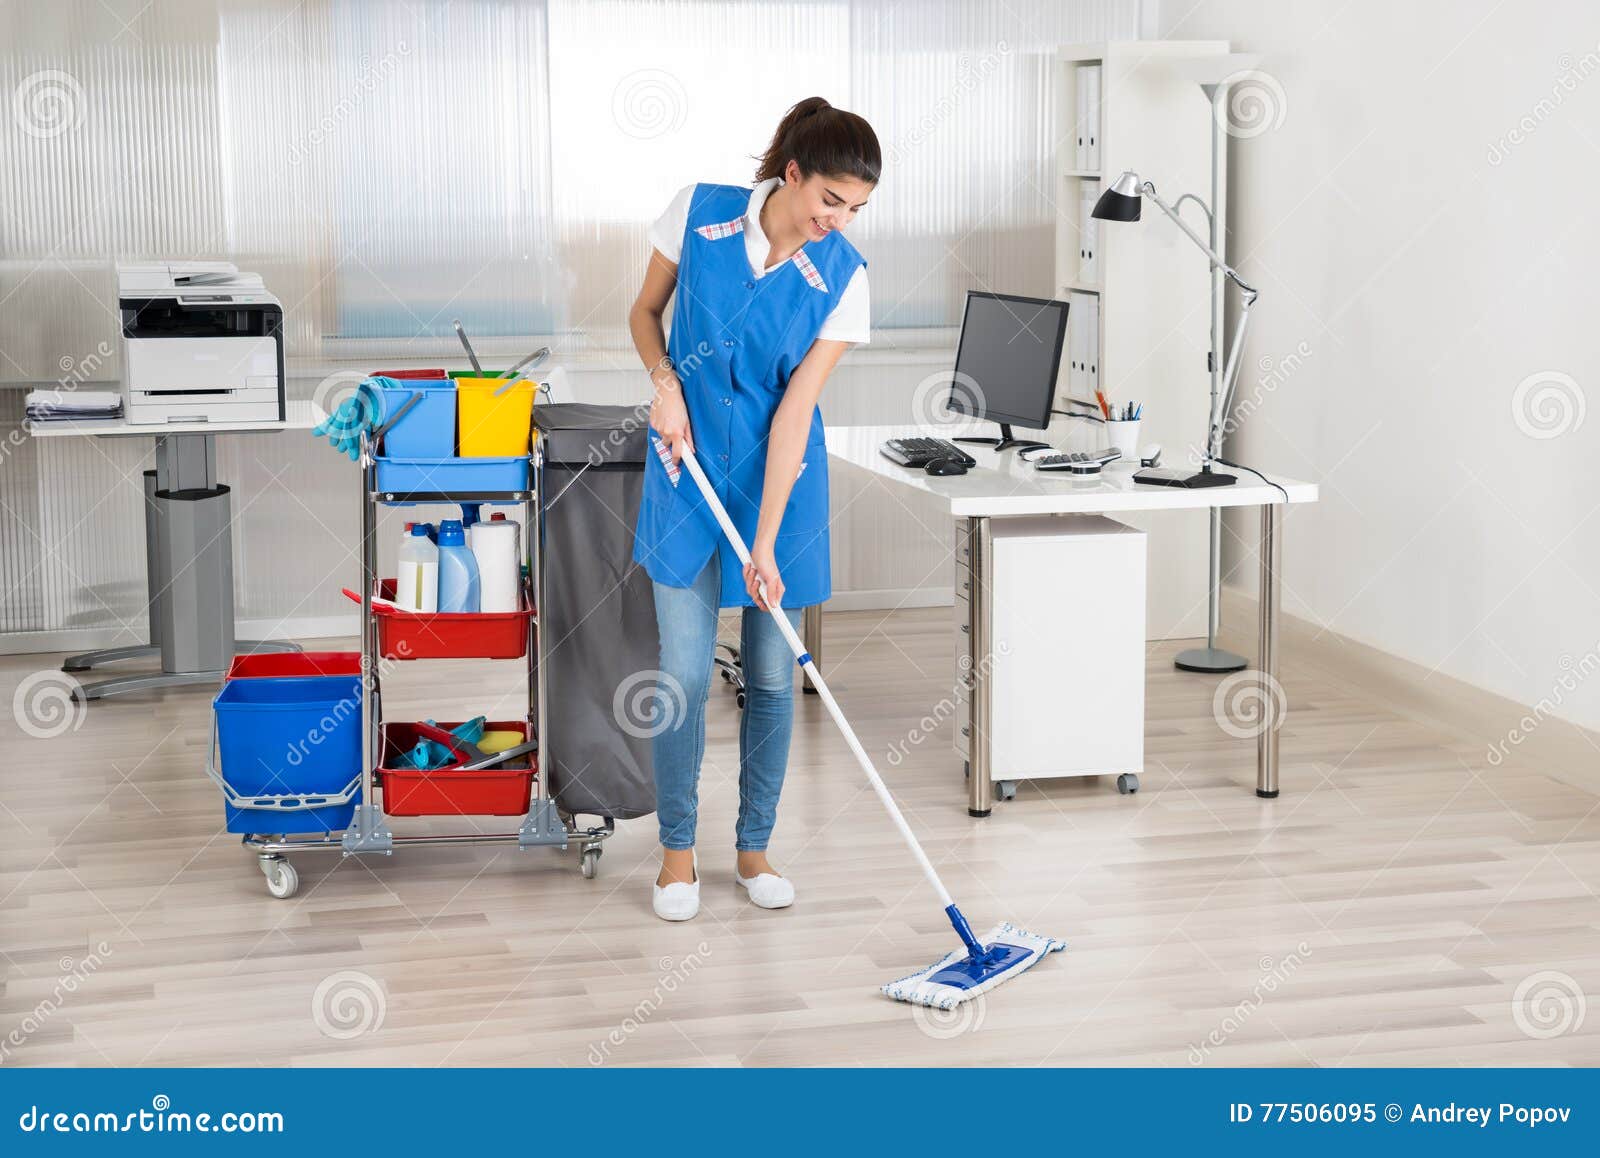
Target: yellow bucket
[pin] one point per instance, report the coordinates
(490, 427)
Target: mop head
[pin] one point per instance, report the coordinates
(957, 977)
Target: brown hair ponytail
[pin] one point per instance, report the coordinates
(822, 139)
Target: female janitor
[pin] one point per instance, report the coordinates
(769, 295)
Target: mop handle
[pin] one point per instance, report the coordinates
(810, 668)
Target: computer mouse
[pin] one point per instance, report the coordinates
(946, 466)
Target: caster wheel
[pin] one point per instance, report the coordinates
(966, 769)
(591, 863)
(282, 881)
(739, 699)
(1128, 783)
(1005, 789)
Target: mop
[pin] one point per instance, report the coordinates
(1005, 951)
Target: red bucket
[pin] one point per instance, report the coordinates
(294, 664)
(499, 791)
(448, 634)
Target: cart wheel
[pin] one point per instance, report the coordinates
(1005, 789)
(591, 862)
(738, 697)
(1128, 783)
(282, 881)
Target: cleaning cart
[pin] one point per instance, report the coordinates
(587, 625)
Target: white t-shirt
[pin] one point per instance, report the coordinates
(851, 318)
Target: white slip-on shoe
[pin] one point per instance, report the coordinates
(768, 890)
(677, 901)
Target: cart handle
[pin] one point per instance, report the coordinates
(286, 802)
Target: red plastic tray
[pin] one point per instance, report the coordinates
(450, 635)
(411, 375)
(489, 792)
(292, 664)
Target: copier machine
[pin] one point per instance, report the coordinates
(202, 354)
(201, 342)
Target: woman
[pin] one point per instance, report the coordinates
(769, 295)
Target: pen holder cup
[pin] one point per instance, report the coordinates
(1124, 435)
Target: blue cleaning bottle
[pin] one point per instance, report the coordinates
(469, 514)
(458, 569)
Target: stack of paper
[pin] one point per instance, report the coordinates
(68, 405)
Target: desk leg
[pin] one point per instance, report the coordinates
(811, 632)
(980, 785)
(1271, 596)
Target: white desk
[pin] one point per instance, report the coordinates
(188, 552)
(1002, 486)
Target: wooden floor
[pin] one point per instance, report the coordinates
(1402, 903)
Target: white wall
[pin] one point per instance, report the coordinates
(1424, 220)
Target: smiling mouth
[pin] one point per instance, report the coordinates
(820, 227)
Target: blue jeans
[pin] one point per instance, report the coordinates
(687, 618)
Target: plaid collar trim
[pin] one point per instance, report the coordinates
(721, 229)
(813, 278)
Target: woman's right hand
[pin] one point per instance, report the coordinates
(669, 417)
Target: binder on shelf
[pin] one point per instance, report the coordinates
(1091, 327)
(1088, 234)
(1079, 307)
(1089, 114)
(1081, 156)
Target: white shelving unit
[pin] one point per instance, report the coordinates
(1146, 284)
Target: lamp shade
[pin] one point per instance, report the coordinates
(1121, 201)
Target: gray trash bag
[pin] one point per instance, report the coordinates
(599, 616)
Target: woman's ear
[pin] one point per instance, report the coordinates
(791, 172)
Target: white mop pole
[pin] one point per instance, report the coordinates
(810, 668)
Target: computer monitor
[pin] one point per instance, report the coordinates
(1007, 362)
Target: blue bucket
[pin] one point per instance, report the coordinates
(451, 475)
(428, 429)
(289, 738)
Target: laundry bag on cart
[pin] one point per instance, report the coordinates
(598, 614)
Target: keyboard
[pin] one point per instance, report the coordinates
(920, 452)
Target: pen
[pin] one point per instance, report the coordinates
(1105, 407)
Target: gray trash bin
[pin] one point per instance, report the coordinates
(598, 617)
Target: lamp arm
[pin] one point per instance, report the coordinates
(1149, 190)
(1230, 378)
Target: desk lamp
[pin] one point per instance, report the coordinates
(1122, 201)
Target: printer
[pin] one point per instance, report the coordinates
(201, 342)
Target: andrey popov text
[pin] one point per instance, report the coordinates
(1449, 1114)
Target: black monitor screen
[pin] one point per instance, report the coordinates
(1008, 359)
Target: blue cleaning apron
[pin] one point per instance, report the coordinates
(735, 341)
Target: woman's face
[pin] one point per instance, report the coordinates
(820, 204)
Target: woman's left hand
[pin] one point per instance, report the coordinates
(763, 568)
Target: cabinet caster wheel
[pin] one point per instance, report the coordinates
(282, 880)
(1128, 783)
(590, 863)
(1005, 789)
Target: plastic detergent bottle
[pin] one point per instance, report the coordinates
(470, 514)
(417, 579)
(458, 570)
